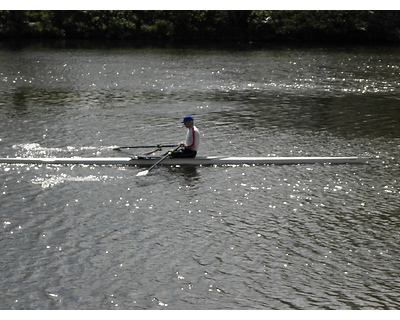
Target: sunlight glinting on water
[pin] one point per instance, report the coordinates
(217, 237)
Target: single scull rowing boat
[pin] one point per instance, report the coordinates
(200, 160)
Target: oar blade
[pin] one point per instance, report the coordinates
(142, 173)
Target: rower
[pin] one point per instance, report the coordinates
(190, 146)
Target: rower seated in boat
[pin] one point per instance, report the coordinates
(190, 146)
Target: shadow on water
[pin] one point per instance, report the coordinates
(187, 174)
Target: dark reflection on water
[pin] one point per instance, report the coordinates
(190, 174)
(368, 115)
(228, 237)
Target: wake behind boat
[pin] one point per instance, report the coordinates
(198, 161)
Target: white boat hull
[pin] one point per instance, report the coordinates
(188, 161)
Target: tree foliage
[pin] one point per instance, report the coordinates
(206, 25)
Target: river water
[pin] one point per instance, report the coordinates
(229, 237)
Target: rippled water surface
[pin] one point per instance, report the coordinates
(230, 237)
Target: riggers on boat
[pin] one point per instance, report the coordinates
(198, 161)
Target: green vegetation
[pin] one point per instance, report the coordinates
(206, 26)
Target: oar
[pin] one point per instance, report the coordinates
(147, 153)
(145, 172)
(158, 146)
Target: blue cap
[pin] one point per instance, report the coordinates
(186, 119)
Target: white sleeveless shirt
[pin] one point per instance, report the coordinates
(193, 138)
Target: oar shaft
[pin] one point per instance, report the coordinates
(147, 153)
(158, 146)
(163, 158)
(143, 173)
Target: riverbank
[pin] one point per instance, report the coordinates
(206, 26)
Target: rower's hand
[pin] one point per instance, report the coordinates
(182, 144)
